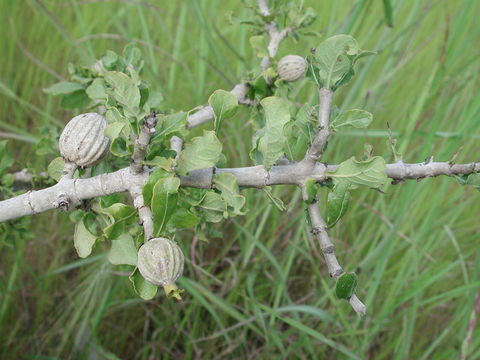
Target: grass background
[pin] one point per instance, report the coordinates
(263, 290)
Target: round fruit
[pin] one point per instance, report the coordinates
(160, 261)
(291, 67)
(82, 141)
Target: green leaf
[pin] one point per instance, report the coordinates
(133, 56)
(6, 159)
(224, 105)
(227, 185)
(201, 152)
(259, 44)
(275, 200)
(172, 123)
(55, 168)
(63, 87)
(164, 202)
(152, 180)
(337, 204)
(124, 89)
(154, 100)
(369, 173)
(473, 180)
(123, 251)
(311, 189)
(97, 90)
(346, 285)
(120, 215)
(334, 59)
(113, 130)
(213, 207)
(300, 132)
(83, 240)
(76, 100)
(145, 289)
(119, 148)
(269, 142)
(183, 219)
(356, 118)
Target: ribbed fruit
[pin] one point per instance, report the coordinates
(291, 67)
(82, 141)
(160, 261)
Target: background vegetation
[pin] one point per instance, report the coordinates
(261, 290)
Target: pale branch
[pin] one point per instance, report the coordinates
(205, 114)
(123, 180)
(141, 144)
(263, 7)
(319, 230)
(321, 137)
(176, 145)
(144, 211)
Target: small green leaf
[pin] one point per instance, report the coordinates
(474, 180)
(183, 219)
(369, 173)
(113, 130)
(145, 289)
(152, 180)
(97, 90)
(214, 207)
(259, 45)
(164, 202)
(120, 215)
(227, 184)
(76, 100)
(356, 118)
(63, 87)
(224, 105)
(123, 251)
(171, 123)
(269, 142)
(337, 205)
(311, 189)
(346, 285)
(83, 240)
(334, 60)
(124, 89)
(55, 168)
(275, 200)
(118, 147)
(133, 56)
(200, 152)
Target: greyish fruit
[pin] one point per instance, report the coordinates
(291, 67)
(82, 141)
(160, 261)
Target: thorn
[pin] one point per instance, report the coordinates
(398, 181)
(428, 160)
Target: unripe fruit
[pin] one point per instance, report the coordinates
(291, 67)
(160, 261)
(82, 141)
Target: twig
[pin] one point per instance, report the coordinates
(141, 144)
(123, 180)
(176, 145)
(319, 228)
(144, 211)
(320, 141)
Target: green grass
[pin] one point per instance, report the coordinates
(263, 290)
